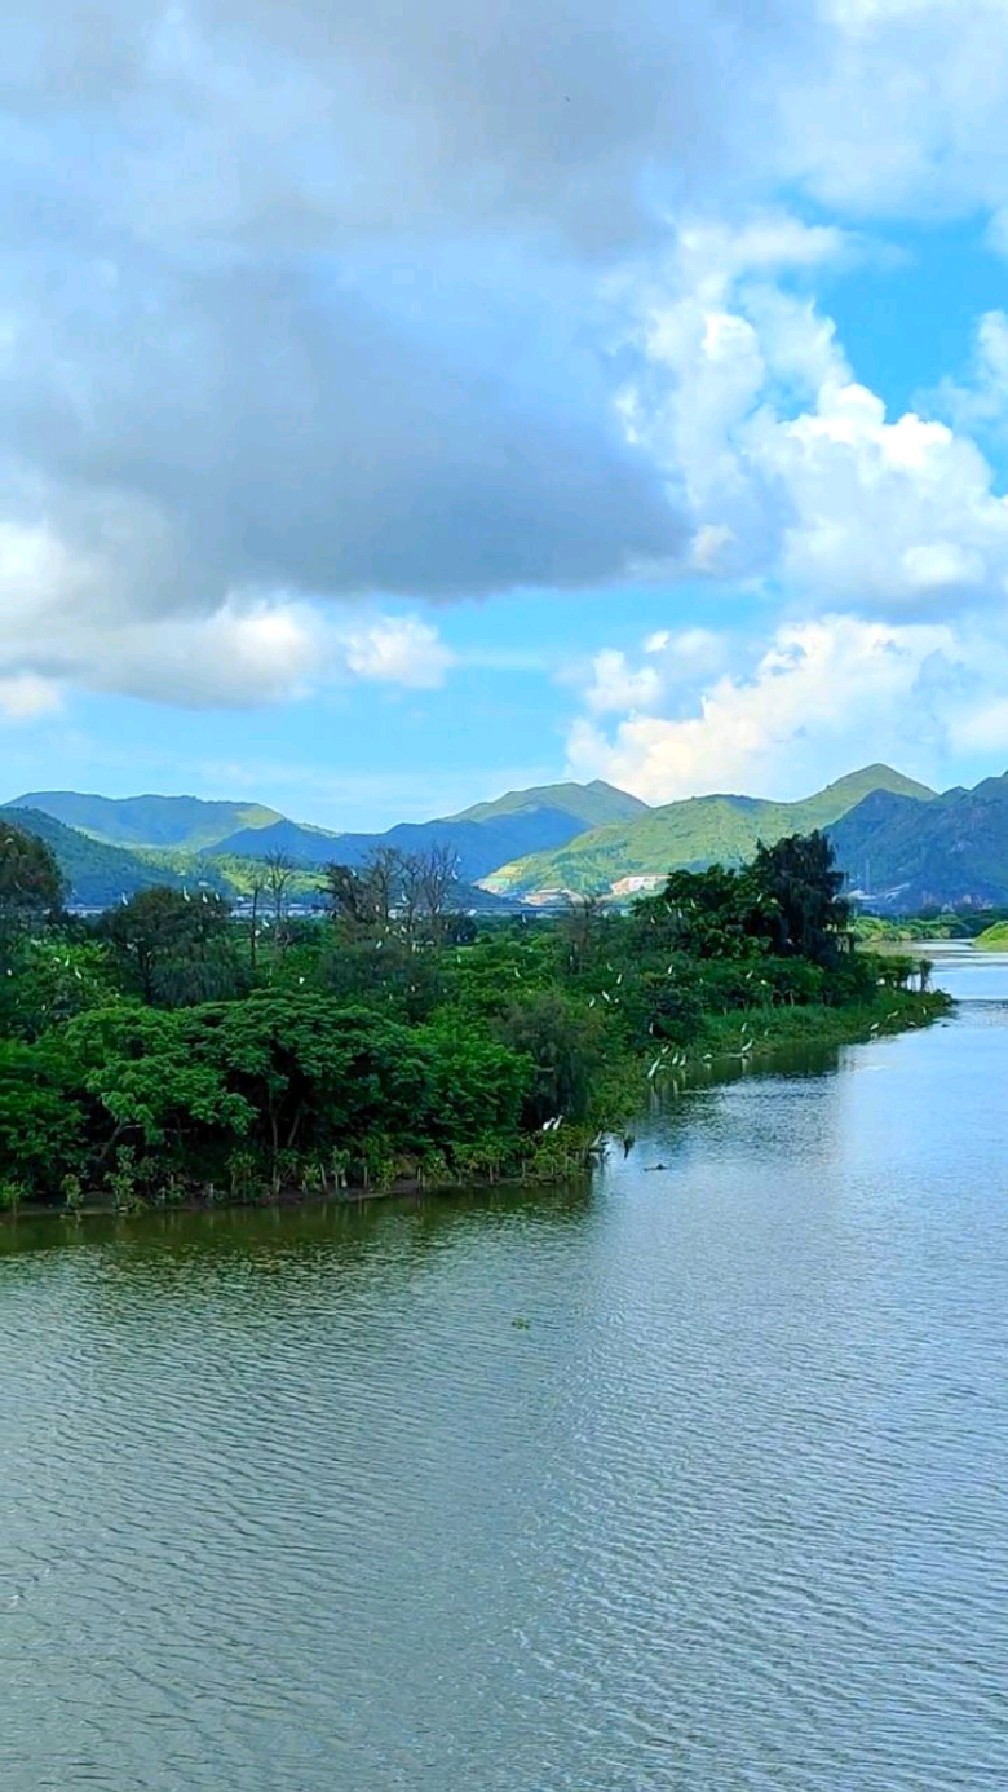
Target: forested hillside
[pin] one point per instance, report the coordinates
(520, 822)
(907, 855)
(699, 831)
(185, 822)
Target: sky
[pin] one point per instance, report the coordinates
(403, 404)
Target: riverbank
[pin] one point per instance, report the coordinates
(892, 1011)
(567, 1152)
(152, 1065)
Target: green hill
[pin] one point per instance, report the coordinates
(96, 874)
(952, 851)
(185, 822)
(693, 833)
(484, 836)
(595, 805)
(108, 847)
(994, 939)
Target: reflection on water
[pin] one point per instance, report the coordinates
(289, 1501)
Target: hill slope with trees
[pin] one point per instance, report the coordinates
(483, 837)
(908, 856)
(94, 873)
(187, 823)
(693, 833)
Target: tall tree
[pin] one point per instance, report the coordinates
(351, 898)
(259, 885)
(31, 883)
(439, 879)
(169, 940)
(799, 877)
(279, 874)
(384, 875)
(411, 892)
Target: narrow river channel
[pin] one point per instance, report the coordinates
(696, 1479)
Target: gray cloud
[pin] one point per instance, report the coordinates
(248, 431)
(205, 387)
(304, 298)
(256, 114)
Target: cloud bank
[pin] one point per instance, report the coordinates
(310, 311)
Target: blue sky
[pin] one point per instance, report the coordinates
(400, 409)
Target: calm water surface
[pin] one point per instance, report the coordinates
(291, 1502)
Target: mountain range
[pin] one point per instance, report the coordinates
(693, 833)
(897, 840)
(906, 856)
(185, 822)
(484, 836)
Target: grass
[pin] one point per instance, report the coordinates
(994, 939)
(758, 1040)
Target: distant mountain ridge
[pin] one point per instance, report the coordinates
(951, 851)
(95, 872)
(187, 822)
(693, 833)
(175, 839)
(897, 840)
(484, 836)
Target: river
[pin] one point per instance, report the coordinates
(696, 1479)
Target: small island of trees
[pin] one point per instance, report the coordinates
(170, 1051)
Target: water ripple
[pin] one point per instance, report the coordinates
(291, 1503)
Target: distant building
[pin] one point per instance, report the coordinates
(548, 898)
(642, 884)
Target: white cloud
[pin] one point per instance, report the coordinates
(983, 728)
(823, 696)
(896, 512)
(241, 655)
(60, 624)
(320, 300)
(904, 113)
(616, 686)
(399, 650)
(793, 470)
(25, 698)
(981, 401)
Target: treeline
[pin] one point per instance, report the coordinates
(169, 1051)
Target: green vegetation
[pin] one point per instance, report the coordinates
(930, 924)
(482, 837)
(951, 851)
(700, 831)
(185, 822)
(594, 805)
(994, 938)
(171, 1052)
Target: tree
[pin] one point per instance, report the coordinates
(439, 876)
(411, 891)
(258, 887)
(714, 913)
(566, 1046)
(42, 1135)
(352, 901)
(51, 979)
(31, 883)
(279, 873)
(383, 875)
(801, 888)
(153, 1086)
(583, 925)
(170, 944)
